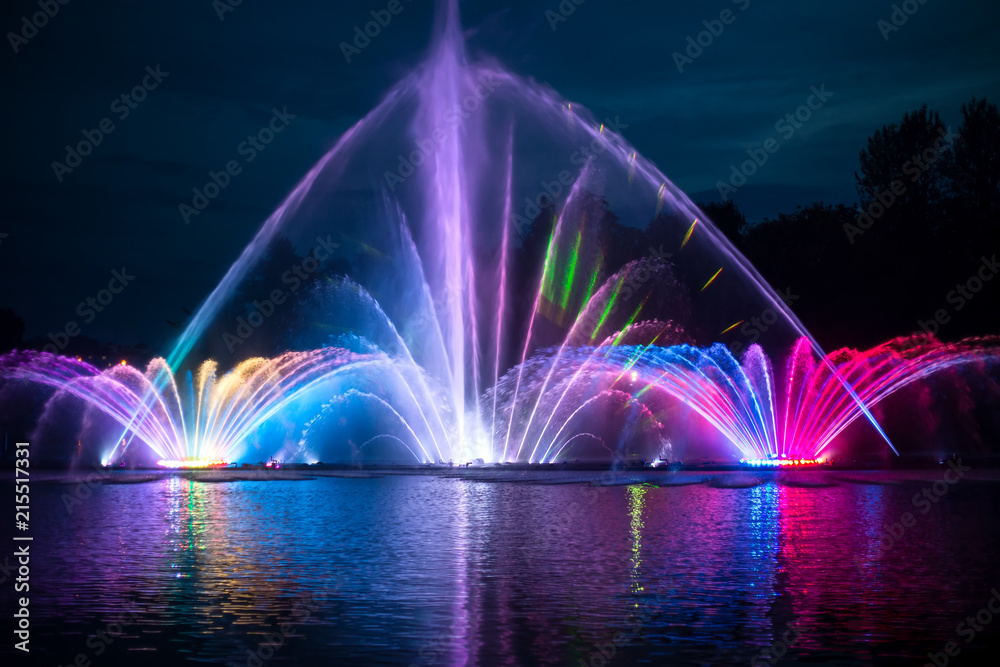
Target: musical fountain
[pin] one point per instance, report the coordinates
(498, 307)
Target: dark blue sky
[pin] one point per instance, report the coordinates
(118, 208)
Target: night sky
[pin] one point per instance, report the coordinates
(221, 79)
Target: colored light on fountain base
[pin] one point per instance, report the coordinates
(781, 463)
(192, 463)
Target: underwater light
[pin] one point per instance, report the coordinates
(780, 462)
(191, 463)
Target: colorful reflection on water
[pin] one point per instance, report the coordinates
(424, 570)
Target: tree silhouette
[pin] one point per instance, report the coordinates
(727, 217)
(974, 174)
(905, 161)
(975, 170)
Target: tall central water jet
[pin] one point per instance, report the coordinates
(448, 238)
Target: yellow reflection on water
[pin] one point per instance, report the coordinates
(636, 504)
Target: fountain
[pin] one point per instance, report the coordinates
(795, 420)
(497, 307)
(739, 399)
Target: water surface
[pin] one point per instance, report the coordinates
(683, 568)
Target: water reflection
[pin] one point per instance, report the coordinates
(430, 571)
(635, 505)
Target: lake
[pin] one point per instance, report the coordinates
(515, 568)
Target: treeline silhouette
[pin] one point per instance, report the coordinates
(923, 237)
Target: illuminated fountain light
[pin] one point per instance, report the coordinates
(210, 422)
(192, 463)
(781, 462)
(786, 424)
(550, 397)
